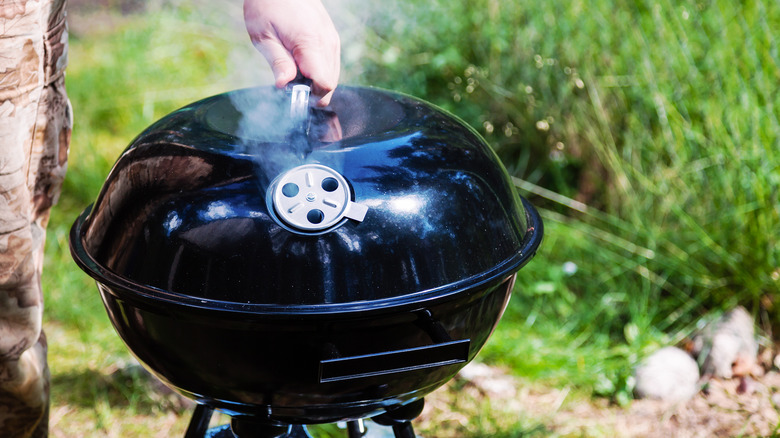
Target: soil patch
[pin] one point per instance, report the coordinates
(735, 407)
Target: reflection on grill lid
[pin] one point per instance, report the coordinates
(188, 209)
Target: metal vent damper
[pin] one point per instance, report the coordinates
(313, 197)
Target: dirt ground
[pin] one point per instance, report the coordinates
(724, 408)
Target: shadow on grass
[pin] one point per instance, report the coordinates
(129, 387)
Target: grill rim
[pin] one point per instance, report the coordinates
(126, 289)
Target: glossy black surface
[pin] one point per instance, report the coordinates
(230, 307)
(184, 210)
(270, 367)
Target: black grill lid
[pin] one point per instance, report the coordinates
(188, 212)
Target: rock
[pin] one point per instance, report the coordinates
(728, 347)
(669, 374)
(489, 380)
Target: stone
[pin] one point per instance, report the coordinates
(728, 348)
(670, 374)
(489, 380)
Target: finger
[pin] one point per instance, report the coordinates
(321, 65)
(281, 61)
(266, 40)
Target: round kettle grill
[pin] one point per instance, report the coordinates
(289, 266)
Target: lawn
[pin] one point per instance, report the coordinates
(646, 132)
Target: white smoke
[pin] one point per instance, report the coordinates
(265, 124)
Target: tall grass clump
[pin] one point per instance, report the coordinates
(647, 131)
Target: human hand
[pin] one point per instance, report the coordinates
(296, 35)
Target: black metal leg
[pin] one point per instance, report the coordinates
(398, 419)
(401, 418)
(199, 423)
(356, 429)
(404, 430)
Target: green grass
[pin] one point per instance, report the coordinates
(646, 132)
(662, 117)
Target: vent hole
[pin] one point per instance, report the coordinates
(315, 216)
(330, 184)
(290, 190)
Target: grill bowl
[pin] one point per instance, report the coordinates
(229, 304)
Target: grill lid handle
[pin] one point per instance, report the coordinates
(299, 90)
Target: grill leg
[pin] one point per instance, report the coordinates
(404, 430)
(356, 429)
(199, 423)
(401, 418)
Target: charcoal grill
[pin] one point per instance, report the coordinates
(289, 265)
